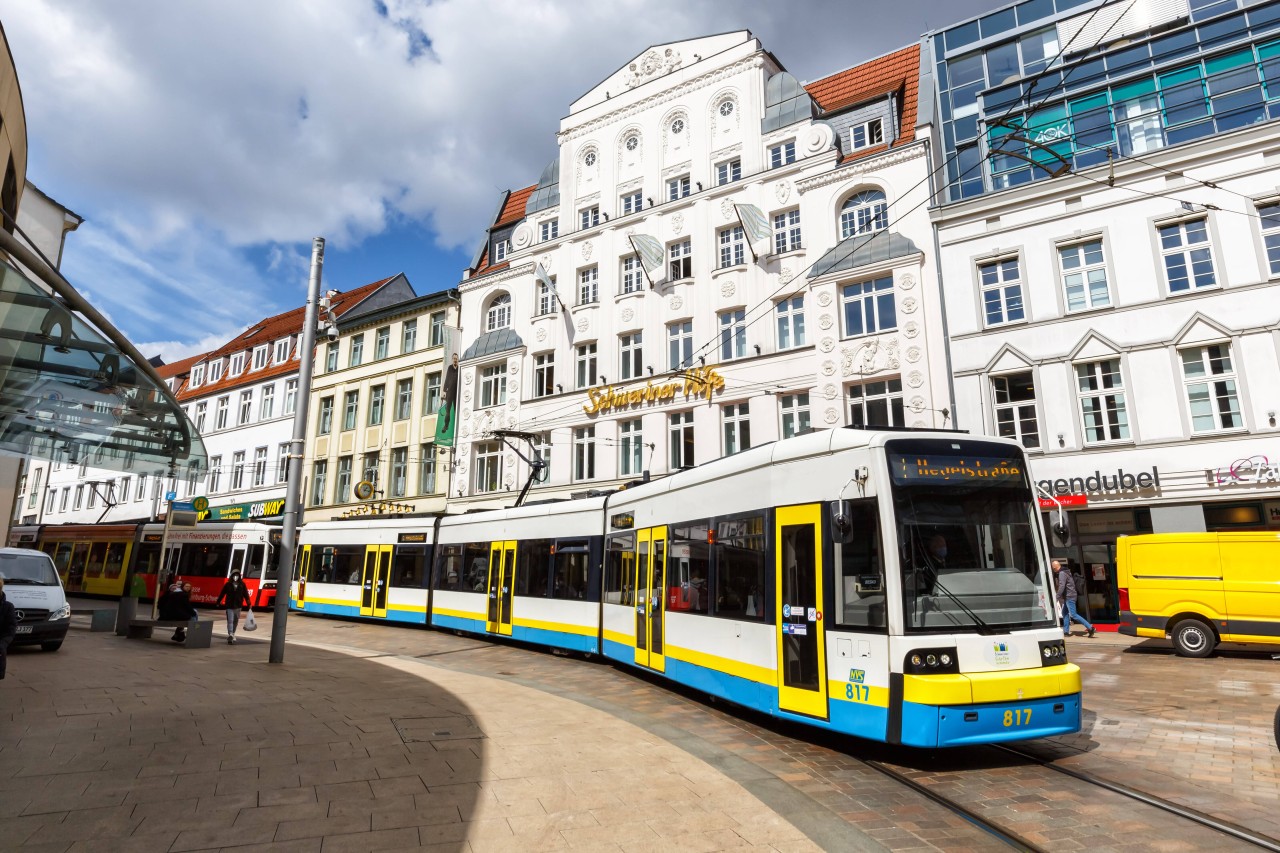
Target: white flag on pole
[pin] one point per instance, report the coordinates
(756, 226)
(652, 255)
(545, 280)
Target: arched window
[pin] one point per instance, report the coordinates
(499, 314)
(863, 213)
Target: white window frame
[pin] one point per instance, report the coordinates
(432, 395)
(267, 402)
(589, 217)
(679, 187)
(1011, 415)
(355, 357)
(632, 202)
(1221, 389)
(863, 399)
(404, 399)
(319, 476)
(548, 229)
(728, 171)
(874, 303)
(324, 416)
(500, 250)
(544, 374)
(789, 321)
(201, 412)
(867, 134)
(197, 376)
(733, 246)
(787, 236)
(215, 476)
(997, 285)
(237, 470)
(260, 357)
(399, 485)
(331, 357)
(259, 466)
(680, 345)
(632, 276)
(281, 354)
(630, 447)
(237, 364)
(794, 411)
(493, 385)
(342, 479)
(546, 299)
(1269, 227)
(1083, 265)
(736, 421)
(589, 285)
(382, 343)
(221, 412)
(630, 356)
(681, 437)
(1100, 400)
(377, 404)
(864, 212)
(246, 408)
(428, 482)
(408, 336)
(586, 367)
(215, 371)
(290, 396)
(1190, 253)
(350, 410)
(733, 333)
(782, 154)
(436, 336)
(488, 467)
(498, 314)
(282, 462)
(680, 259)
(584, 453)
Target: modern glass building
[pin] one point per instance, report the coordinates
(1040, 87)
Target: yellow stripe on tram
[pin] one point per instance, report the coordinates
(741, 669)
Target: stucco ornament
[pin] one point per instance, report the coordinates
(651, 64)
(522, 237)
(913, 354)
(785, 275)
(828, 367)
(818, 138)
(461, 467)
(726, 209)
(512, 402)
(827, 344)
(824, 298)
(831, 416)
(628, 315)
(906, 281)
(583, 324)
(826, 321)
(782, 191)
(891, 354)
(509, 460)
(587, 249)
(464, 430)
(911, 329)
(677, 224)
(919, 424)
(830, 391)
(909, 305)
(727, 289)
(509, 481)
(915, 379)
(541, 334)
(466, 396)
(675, 303)
(513, 367)
(512, 386)
(917, 404)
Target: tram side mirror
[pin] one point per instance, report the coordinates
(1061, 532)
(841, 522)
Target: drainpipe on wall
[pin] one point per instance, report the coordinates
(937, 266)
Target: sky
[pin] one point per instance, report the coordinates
(206, 142)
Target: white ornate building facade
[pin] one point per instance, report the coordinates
(717, 257)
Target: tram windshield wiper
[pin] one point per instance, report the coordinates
(981, 627)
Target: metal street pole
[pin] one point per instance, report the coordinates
(297, 449)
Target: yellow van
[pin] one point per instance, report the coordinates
(1200, 589)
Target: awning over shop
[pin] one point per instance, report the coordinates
(72, 392)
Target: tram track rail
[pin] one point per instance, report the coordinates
(1240, 833)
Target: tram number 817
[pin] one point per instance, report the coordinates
(1017, 717)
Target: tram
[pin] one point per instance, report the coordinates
(95, 559)
(886, 584)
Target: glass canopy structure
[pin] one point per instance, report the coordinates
(74, 390)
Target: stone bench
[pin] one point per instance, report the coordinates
(199, 631)
(100, 619)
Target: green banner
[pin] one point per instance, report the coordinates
(446, 421)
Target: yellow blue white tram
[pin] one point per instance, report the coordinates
(889, 585)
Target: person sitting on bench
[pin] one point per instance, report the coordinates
(176, 606)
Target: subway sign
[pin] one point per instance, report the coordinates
(245, 512)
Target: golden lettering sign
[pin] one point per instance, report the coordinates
(698, 382)
(378, 508)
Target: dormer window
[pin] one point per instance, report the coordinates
(197, 375)
(282, 351)
(215, 371)
(499, 314)
(260, 357)
(866, 134)
(500, 249)
(237, 364)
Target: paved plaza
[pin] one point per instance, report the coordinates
(371, 737)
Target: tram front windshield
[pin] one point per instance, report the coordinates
(969, 549)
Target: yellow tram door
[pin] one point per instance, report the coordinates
(304, 571)
(802, 661)
(502, 577)
(373, 581)
(651, 597)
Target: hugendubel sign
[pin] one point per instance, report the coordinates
(1099, 483)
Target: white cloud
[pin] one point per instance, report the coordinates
(206, 140)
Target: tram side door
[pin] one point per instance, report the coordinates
(651, 598)
(304, 571)
(373, 581)
(802, 665)
(502, 579)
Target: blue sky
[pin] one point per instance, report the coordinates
(207, 141)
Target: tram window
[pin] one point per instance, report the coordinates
(147, 559)
(533, 567)
(97, 554)
(253, 562)
(475, 567)
(115, 560)
(619, 569)
(449, 567)
(860, 591)
(739, 582)
(409, 566)
(345, 564)
(570, 580)
(688, 569)
(204, 560)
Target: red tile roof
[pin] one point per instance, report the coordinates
(898, 71)
(267, 332)
(178, 368)
(513, 210)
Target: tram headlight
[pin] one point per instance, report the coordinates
(1053, 652)
(930, 662)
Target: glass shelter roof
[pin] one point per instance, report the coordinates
(71, 394)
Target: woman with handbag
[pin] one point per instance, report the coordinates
(234, 595)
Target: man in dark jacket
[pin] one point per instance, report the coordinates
(1067, 595)
(8, 627)
(234, 595)
(176, 606)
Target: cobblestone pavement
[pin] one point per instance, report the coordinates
(573, 754)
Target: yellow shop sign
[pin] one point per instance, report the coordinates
(698, 382)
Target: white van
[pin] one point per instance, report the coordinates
(31, 584)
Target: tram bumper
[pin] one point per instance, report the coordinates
(988, 707)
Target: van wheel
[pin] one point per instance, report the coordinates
(51, 647)
(1193, 639)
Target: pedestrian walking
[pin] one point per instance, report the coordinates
(8, 627)
(234, 595)
(1067, 595)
